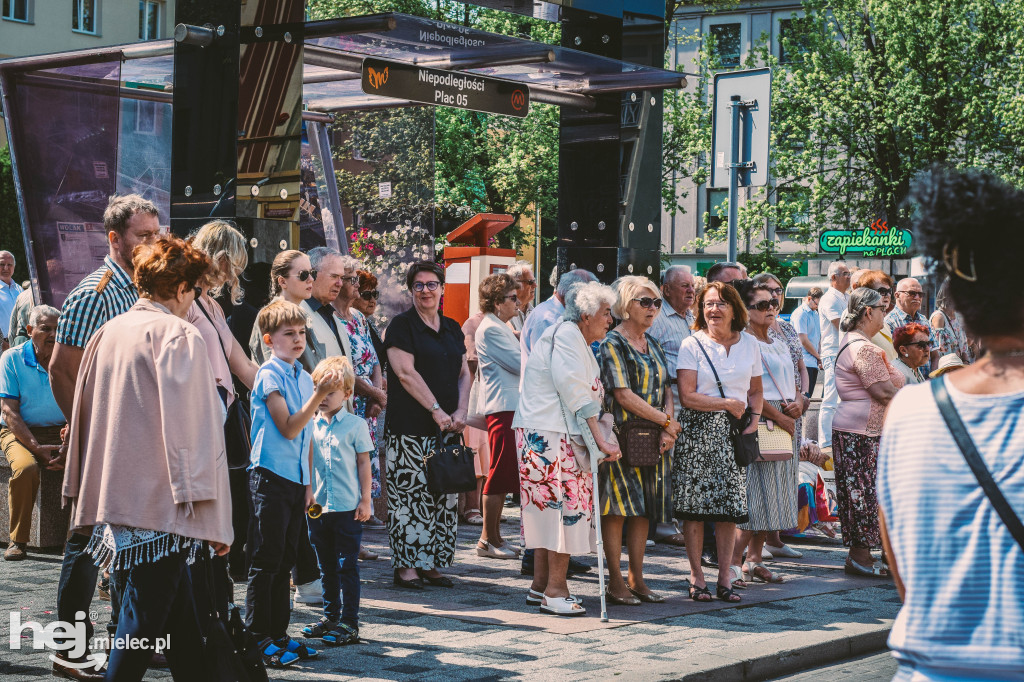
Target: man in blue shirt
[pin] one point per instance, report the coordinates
(31, 422)
(9, 290)
(805, 320)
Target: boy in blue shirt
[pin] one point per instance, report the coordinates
(284, 400)
(341, 486)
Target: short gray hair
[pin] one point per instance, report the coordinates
(317, 255)
(42, 311)
(349, 263)
(674, 269)
(518, 268)
(833, 268)
(586, 299)
(861, 299)
(8, 253)
(553, 277)
(571, 279)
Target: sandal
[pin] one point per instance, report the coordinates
(561, 606)
(751, 569)
(319, 628)
(676, 540)
(275, 656)
(647, 597)
(619, 601)
(301, 650)
(736, 575)
(342, 634)
(699, 593)
(535, 598)
(473, 517)
(727, 595)
(875, 571)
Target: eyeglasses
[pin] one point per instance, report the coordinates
(432, 285)
(354, 279)
(763, 306)
(923, 345)
(912, 294)
(647, 302)
(721, 305)
(512, 297)
(303, 275)
(777, 291)
(884, 291)
(531, 282)
(369, 295)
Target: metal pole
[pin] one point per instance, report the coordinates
(536, 249)
(734, 176)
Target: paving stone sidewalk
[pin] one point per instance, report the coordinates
(484, 630)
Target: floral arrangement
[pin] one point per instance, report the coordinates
(388, 255)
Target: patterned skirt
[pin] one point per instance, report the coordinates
(856, 462)
(359, 403)
(772, 490)
(707, 482)
(637, 491)
(557, 493)
(421, 525)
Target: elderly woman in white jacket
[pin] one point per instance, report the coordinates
(558, 412)
(500, 364)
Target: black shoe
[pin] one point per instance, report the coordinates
(576, 567)
(414, 584)
(709, 558)
(526, 568)
(439, 581)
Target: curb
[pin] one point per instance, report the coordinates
(788, 661)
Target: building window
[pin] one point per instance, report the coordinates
(145, 117)
(726, 43)
(83, 16)
(717, 200)
(793, 208)
(794, 41)
(149, 20)
(17, 10)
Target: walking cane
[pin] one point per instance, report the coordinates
(594, 459)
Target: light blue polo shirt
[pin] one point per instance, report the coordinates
(270, 449)
(22, 378)
(336, 442)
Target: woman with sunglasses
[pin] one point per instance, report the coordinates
(428, 394)
(636, 376)
(913, 345)
(366, 303)
(771, 486)
(291, 279)
(866, 382)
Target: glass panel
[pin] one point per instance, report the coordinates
(392, 226)
(717, 199)
(311, 219)
(16, 9)
(64, 131)
(727, 43)
(144, 146)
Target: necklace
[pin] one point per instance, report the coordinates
(640, 344)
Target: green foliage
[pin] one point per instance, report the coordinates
(766, 259)
(11, 238)
(874, 92)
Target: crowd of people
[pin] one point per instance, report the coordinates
(343, 418)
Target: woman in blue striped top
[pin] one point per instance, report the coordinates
(957, 567)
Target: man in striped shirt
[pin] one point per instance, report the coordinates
(673, 325)
(129, 221)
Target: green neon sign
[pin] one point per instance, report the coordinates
(876, 241)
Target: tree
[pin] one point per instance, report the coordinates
(11, 238)
(872, 92)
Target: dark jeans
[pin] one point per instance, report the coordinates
(77, 582)
(277, 520)
(156, 602)
(306, 569)
(238, 558)
(812, 379)
(336, 536)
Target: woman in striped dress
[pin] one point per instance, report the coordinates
(771, 486)
(635, 374)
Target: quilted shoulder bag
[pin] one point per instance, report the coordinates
(639, 439)
(745, 445)
(237, 426)
(450, 466)
(774, 443)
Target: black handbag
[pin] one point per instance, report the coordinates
(238, 425)
(450, 466)
(745, 446)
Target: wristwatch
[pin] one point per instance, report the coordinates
(435, 406)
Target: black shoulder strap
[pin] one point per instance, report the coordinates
(970, 453)
(714, 371)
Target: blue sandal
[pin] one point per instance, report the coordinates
(301, 650)
(275, 656)
(341, 634)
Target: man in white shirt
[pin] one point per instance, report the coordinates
(674, 324)
(830, 310)
(805, 320)
(550, 311)
(9, 290)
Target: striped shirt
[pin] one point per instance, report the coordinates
(963, 617)
(97, 299)
(897, 318)
(623, 366)
(671, 329)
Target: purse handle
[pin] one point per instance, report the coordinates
(970, 452)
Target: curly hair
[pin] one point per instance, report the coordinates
(965, 224)
(901, 336)
(730, 296)
(164, 265)
(367, 280)
(494, 289)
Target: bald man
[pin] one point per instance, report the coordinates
(9, 290)
(909, 300)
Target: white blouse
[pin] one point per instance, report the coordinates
(735, 367)
(775, 356)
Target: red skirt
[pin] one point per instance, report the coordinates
(503, 476)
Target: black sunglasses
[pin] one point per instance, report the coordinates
(303, 275)
(884, 291)
(369, 295)
(763, 306)
(647, 302)
(923, 345)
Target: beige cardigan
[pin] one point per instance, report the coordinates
(146, 440)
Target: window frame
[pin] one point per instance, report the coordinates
(780, 193)
(9, 15)
(77, 15)
(777, 34)
(719, 20)
(145, 4)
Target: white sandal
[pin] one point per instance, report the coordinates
(736, 577)
(750, 567)
(561, 606)
(535, 598)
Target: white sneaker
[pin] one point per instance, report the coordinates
(310, 593)
(784, 551)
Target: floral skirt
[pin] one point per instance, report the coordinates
(421, 525)
(708, 484)
(557, 493)
(359, 404)
(856, 462)
(772, 490)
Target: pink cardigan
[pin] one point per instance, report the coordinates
(146, 441)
